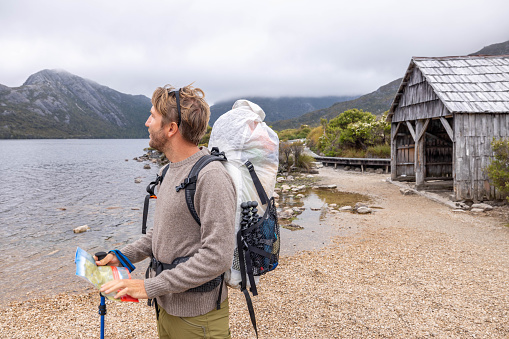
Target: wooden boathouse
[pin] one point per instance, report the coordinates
(443, 119)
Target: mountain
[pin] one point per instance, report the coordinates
(376, 102)
(279, 108)
(495, 49)
(58, 104)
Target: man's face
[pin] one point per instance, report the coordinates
(156, 131)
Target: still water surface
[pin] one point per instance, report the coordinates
(49, 187)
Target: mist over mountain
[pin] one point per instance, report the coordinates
(375, 102)
(58, 104)
(279, 108)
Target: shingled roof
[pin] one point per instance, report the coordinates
(466, 84)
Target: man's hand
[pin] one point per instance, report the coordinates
(110, 260)
(131, 287)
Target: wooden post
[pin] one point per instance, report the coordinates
(394, 131)
(420, 161)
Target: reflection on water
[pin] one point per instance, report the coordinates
(314, 233)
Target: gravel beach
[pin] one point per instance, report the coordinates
(414, 269)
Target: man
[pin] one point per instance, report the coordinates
(176, 234)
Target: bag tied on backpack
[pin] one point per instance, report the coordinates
(252, 150)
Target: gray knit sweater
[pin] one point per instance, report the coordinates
(176, 234)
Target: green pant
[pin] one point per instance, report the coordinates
(212, 325)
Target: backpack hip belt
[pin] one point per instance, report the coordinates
(209, 286)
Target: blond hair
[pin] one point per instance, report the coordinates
(195, 112)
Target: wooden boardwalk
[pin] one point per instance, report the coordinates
(358, 162)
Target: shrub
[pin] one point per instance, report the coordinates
(293, 134)
(353, 129)
(379, 151)
(305, 161)
(313, 138)
(205, 140)
(353, 153)
(498, 170)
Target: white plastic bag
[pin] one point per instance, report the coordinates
(242, 135)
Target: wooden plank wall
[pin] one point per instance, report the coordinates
(473, 136)
(418, 101)
(402, 166)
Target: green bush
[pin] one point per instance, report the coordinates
(305, 161)
(379, 151)
(353, 131)
(313, 138)
(293, 134)
(205, 140)
(498, 170)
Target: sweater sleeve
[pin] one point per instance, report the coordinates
(215, 202)
(140, 249)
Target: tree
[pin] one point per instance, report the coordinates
(353, 129)
(285, 151)
(297, 148)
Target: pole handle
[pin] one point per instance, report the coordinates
(101, 255)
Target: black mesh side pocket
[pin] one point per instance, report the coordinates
(260, 243)
(269, 243)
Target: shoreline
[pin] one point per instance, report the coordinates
(413, 269)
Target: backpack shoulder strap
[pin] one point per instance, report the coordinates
(151, 195)
(190, 182)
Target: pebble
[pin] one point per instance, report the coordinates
(364, 210)
(81, 229)
(483, 206)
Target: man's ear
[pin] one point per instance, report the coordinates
(172, 129)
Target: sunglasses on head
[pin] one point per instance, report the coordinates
(177, 98)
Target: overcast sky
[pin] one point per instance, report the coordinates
(237, 48)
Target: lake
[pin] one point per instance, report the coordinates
(49, 187)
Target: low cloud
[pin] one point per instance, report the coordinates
(267, 48)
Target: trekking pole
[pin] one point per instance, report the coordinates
(102, 306)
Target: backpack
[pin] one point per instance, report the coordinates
(249, 150)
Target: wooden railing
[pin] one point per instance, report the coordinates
(362, 162)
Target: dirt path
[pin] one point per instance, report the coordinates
(415, 269)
